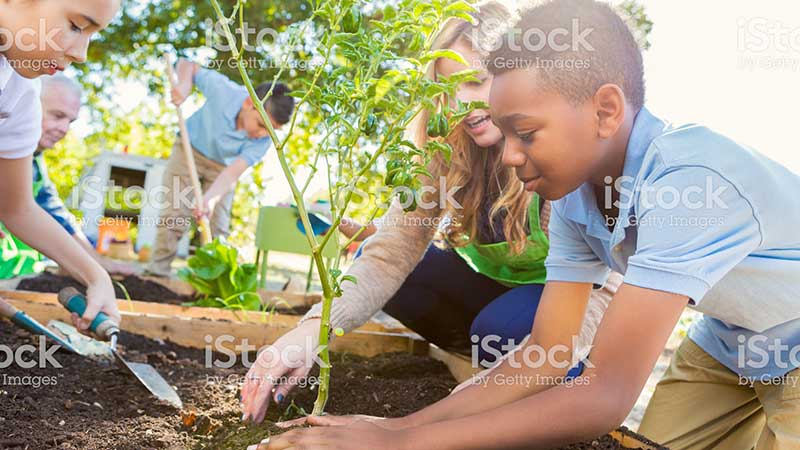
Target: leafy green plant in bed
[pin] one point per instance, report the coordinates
(214, 271)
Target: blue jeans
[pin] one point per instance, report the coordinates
(454, 307)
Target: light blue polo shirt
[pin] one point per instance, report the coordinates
(702, 216)
(212, 129)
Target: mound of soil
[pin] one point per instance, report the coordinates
(138, 288)
(88, 405)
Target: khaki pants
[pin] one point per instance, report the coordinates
(176, 218)
(700, 404)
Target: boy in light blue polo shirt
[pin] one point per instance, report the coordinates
(228, 136)
(689, 216)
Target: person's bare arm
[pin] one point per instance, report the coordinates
(185, 70)
(630, 339)
(558, 320)
(108, 265)
(224, 183)
(350, 227)
(30, 223)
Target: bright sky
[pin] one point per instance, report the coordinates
(694, 69)
(695, 72)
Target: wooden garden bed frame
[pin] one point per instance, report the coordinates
(195, 327)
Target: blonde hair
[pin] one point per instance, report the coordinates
(478, 170)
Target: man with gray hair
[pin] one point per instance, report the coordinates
(61, 103)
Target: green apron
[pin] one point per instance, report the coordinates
(16, 257)
(496, 261)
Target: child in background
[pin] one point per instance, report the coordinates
(69, 26)
(228, 136)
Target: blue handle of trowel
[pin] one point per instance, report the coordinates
(25, 321)
(75, 302)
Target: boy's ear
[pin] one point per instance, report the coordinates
(609, 103)
(248, 102)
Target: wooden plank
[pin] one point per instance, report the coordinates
(165, 309)
(292, 299)
(198, 332)
(629, 441)
(460, 366)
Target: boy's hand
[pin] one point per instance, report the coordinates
(204, 209)
(180, 92)
(360, 435)
(99, 297)
(2, 235)
(340, 421)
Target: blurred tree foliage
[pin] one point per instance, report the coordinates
(130, 51)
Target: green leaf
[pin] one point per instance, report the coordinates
(444, 53)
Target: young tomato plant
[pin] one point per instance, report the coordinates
(368, 84)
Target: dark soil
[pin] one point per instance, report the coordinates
(87, 405)
(138, 288)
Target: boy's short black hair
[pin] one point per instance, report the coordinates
(279, 105)
(611, 56)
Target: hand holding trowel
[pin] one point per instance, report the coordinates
(106, 329)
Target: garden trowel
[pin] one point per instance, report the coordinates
(106, 329)
(25, 321)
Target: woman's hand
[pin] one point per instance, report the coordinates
(278, 369)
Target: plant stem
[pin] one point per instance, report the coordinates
(327, 290)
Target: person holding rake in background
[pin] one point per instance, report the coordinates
(227, 136)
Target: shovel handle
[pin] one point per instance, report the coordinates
(75, 302)
(203, 224)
